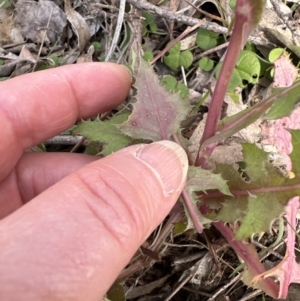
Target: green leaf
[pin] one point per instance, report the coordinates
(149, 23)
(148, 18)
(157, 114)
(6, 3)
(198, 180)
(116, 293)
(183, 90)
(206, 39)
(232, 4)
(285, 104)
(262, 210)
(186, 59)
(176, 58)
(97, 46)
(248, 66)
(171, 84)
(258, 201)
(55, 61)
(275, 54)
(105, 132)
(206, 64)
(295, 155)
(232, 124)
(247, 70)
(203, 180)
(148, 56)
(179, 228)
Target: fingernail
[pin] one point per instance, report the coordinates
(168, 161)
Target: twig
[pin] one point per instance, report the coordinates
(190, 274)
(118, 30)
(205, 13)
(78, 144)
(144, 5)
(189, 258)
(223, 288)
(251, 295)
(207, 52)
(64, 140)
(173, 42)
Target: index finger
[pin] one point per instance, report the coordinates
(39, 105)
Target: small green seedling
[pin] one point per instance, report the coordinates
(206, 39)
(148, 56)
(206, 64)
(149, 25)
(6, 3)
(176, 58)
(97, 46)
(171, 84)
(276, 53)
(247, 71)
(55, 61)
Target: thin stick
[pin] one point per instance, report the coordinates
(118, 30)
(205, 13)
(173, 42)
(207, 52)
(223, 288)
(63, 140)
(144, 5)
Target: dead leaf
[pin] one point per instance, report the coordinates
(6, 26)
(86, 57)
(40, 21)
(79, 26)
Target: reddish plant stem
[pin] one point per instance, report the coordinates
(248, 254)
(235, 45)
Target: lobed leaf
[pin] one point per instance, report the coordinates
(105, 132)
(260, 192)
(200, 180)
(176, 58)
(157, 114)
(206, 39)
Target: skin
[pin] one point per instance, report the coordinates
(69, 223)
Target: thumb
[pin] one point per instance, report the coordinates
(72, 241)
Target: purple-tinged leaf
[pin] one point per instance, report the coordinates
(285, 71)
(157, 114)
(200, 180)
(260, 192)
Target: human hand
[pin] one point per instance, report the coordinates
(84, 218)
